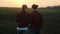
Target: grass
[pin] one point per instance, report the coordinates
(51, 23)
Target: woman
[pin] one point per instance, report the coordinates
(22, 21)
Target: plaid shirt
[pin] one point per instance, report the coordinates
(36, 20)
(22, 19)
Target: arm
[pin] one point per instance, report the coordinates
(28, 19)
(41, 18)
(17, 19)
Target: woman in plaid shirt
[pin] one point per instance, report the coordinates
(22, 21)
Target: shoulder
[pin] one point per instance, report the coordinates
(19, 12)
(27, 14)
(40, 14)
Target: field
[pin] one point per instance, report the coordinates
(51, 20)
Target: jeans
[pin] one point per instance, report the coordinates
(35, 31)
(22, 30)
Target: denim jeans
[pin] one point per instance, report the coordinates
(22, 30)
(35, 31)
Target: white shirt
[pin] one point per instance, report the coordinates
(25, 28)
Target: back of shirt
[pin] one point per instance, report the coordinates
(22, 19)
(36, 20)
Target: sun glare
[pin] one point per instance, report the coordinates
(21, 2)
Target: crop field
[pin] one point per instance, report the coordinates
(51, 20)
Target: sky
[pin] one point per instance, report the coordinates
(19, 3)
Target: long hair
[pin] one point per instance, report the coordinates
(23, 11)
(24, 7)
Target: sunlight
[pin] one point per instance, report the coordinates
(21, 2)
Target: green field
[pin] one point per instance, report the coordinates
(51, 17)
